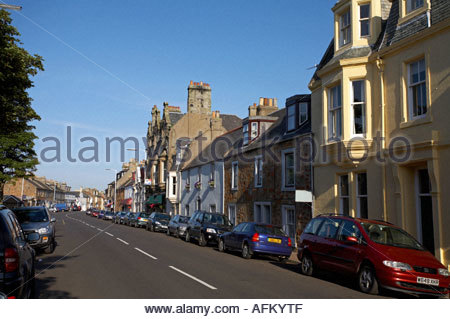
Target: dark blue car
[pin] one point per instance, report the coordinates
(256, 238)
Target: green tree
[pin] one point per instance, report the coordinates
(17, 66)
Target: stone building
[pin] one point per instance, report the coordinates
(170, 135)
(268, 164)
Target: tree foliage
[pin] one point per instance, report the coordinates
(17, 66)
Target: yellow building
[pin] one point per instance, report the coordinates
(381, 110)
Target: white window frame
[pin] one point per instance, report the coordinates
(199, 174)
(345, 29)
(411, 87)
(246, 134)
(363, 108)
(360, 196)
(285, 187)
(361, 20)
(174, 185)
(187, 210)
(254, 130)
(289, 109)
(258, 172)
(334, 132)
(409, 5)
(285, 209)
(234, 175)
(232, 208)
(212, 173)
(303, 113)
(261, 206)
(342, 197)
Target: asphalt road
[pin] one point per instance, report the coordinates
(98, 259)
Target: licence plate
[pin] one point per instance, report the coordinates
(274, 240)
(428, 281)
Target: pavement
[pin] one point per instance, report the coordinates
(98, 259)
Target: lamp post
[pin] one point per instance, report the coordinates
(115, 185)
(10, 7)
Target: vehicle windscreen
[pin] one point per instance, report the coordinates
(391, 236)
(183, 219)
(269, 230)
(221, 220)
(31, 216)
(162, 217)
(144, 215)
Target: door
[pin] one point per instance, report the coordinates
(232, 239)
(425, 210)
(198, 225)
(326, 242)
(348, 254)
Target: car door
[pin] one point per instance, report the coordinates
(231, 239)
(326, 242)
(348, 254)
(198, 225)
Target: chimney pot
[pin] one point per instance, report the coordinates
(270, 102)
(266, 101)
(275, 102)
(192, 82)
(201, 83)
(261, 101)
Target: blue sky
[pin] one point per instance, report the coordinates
(108, 62)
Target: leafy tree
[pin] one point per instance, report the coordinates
(17, 66)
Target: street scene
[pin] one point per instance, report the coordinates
(312, 173)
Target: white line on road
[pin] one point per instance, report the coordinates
(146, 254)
(99, 229)
(194, 278)
(92, 226)
(109, 234)
(123, 241)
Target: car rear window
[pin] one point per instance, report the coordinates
(216, 219)
(183, 219)
(269, 230)
(162, 216)
(145, 215)
(313, 226)
(31, 215)
(329, 228)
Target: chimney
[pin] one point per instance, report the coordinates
(261, 101)
(217, 114)
(214, 114)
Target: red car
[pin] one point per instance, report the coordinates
(378, 253)
(95, 213)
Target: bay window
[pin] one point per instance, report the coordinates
(335, 112)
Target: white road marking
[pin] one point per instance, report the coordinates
(194, 278)
(109, 234)
(99, 229)
(92, 226)
(123, 241)
(146, 254)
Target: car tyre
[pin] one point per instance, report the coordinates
(202, 240)
(246, 252)
(168, 232)
(367, 281)
(187, 237)
(307, 266)
(221, 246)
(50, 248)
(152, 228)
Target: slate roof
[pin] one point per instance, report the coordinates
(230, 122)
(175, 117)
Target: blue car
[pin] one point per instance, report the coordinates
(256, 238)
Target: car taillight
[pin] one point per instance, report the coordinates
(139, 218)
(289, 242)
(11, 260)
(255, 237)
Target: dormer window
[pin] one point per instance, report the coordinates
(291, 117)
(364, 20)
(303, 116)
(413, 5)
(254, 131)
(245, 132)
(345, 28)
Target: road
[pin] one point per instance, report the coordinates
(98, 259)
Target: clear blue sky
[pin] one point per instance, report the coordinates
(108, 62)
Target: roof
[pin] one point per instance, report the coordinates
(230, 122)
(175, 117)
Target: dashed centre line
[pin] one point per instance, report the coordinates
(146, 254)
(123, 241)
(193, 278)
(109, 234)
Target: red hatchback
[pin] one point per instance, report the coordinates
(378, 253)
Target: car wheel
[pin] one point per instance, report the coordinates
(202, 240)
(50, 248)
(367, 280)
(246, 252)
(307, 265)
(177, 234)
(152, 228)
(222, 246)
(188, 236)
(168, 232)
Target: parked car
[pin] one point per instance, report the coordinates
(37, 220)
(101, 214)
(126, 219)
(95, 213)
(377, 253)
(119, 217)
(62, 207)
(206, 227)
(116, 217)
(108, 216)
(157, 222)
(256, 238)
(139, 219)
(17, 257)
(89, 212)
(177, 225)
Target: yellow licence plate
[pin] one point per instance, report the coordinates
(274, 240)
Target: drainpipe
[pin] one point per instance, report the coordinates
(429, 17)
(380, 66)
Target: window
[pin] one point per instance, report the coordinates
(186, 210)
(258, 171)
(188, 178)
(335, 116)
(199, 175)
(347, 229)
(234, 175)
(313, 226)
(289, 221)
(291, 117)
(303, 117)
(417, 89)
(198, 204)
(344, 196)
(425, 210)
(361, 196)
(174, 185)
(329, 228)
(212, 208)
(263, 213)
(212, 172)
(346, 29)
(288, 166)
(245, 132)
(232, 213)
(254, 132)
(359, 107)
(413, 5)
(364, 20)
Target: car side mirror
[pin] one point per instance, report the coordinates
(53, 220)
(32, 238)
(352, 240)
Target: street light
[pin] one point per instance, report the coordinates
(10, 7)
(115, 185)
